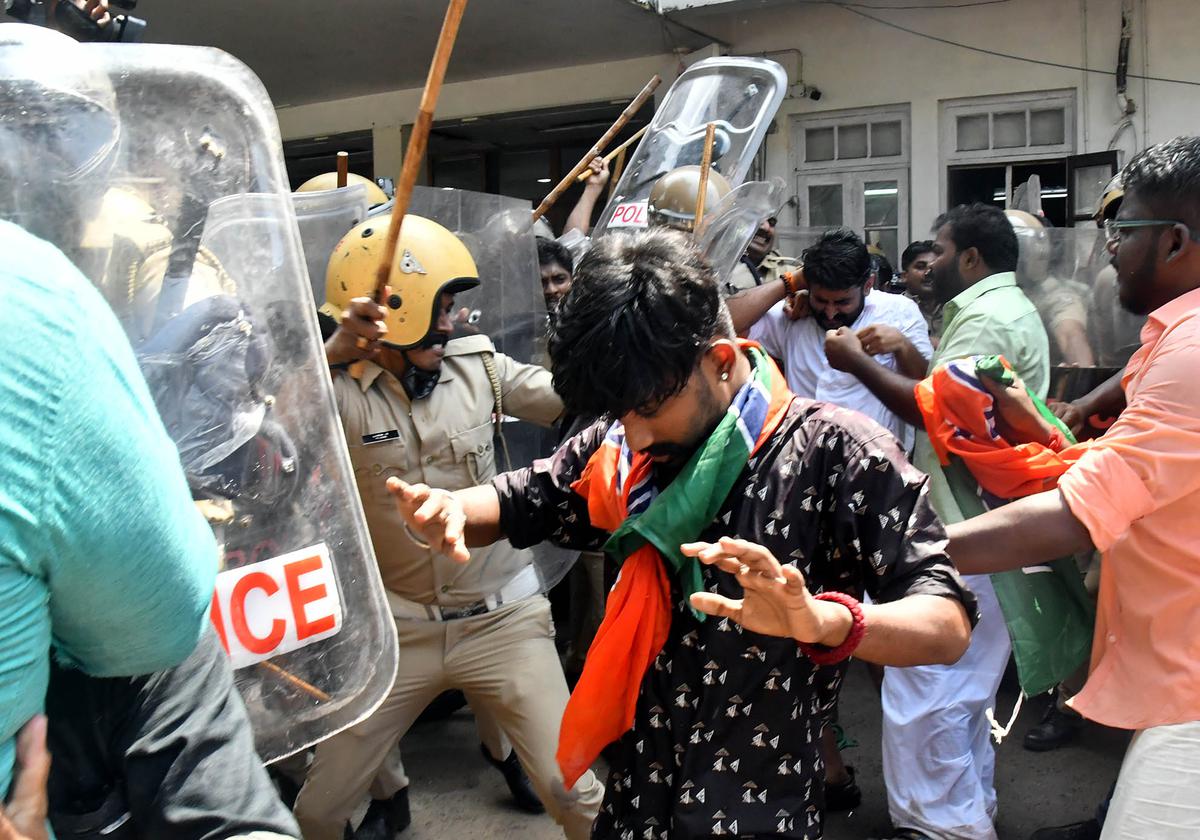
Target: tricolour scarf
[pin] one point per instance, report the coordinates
(648, 526)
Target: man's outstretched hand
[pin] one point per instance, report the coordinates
(434, 515)
(775, 602)
(23, 816)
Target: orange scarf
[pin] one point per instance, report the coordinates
(637, 616)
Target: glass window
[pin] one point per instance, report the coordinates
(825, 205)
(1090, 182)
(818, 144)
(1047, 127)
(520, 173)
(852, 141)
(885, 139)
(972, 133)
(1008, 130)
(881, 203)
(888, 242)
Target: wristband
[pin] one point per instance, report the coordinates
(822, 655)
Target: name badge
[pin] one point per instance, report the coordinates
(381, 437)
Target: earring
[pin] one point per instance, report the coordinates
(725, 376)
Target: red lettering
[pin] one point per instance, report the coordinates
(218, 620)
(237, 614)
(300, 598)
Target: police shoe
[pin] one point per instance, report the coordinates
(385, 818)
(518, 783)
(1056, 729)
(1086, 830)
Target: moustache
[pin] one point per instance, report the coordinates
(434, 339)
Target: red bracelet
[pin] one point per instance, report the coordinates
(821, 655)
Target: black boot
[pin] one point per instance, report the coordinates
(1057, 728)
(517, 781)
(385, 818)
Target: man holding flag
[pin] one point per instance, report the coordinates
(707, 470)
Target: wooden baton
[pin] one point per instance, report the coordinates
(601, 144)
(710, 134)
(583, 176)
(415, 153)
(343, 168)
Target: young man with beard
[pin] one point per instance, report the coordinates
(838, 291)
(938, 759)
(711, 727)
(424, 409)
(1134, 495)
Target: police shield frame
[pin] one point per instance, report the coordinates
(509, 308)
(159, 171)
(741, 95)
(324, 217)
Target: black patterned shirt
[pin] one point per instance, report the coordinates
(728, 722)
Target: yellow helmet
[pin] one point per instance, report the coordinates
(1114, 191)
(328, 181)
(672, 201)
(430, 261)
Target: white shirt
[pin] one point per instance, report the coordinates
(800, 345)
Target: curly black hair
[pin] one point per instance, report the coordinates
(643, 310)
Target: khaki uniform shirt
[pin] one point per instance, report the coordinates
(772, 267)
(446, 441)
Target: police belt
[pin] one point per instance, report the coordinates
(524, 584)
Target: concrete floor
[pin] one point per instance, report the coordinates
(455, 795)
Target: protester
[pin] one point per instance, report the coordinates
(838, 291)
(714, 727)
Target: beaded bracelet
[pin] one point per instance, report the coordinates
(789, 282)
(821, 655)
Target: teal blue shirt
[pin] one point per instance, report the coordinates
(104, 558)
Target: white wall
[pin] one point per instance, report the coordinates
(859, 63)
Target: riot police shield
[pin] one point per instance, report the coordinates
(323, 217)
(1067, 274)
(159, 171)
(509, 308)
(739, 95)
(724, 234)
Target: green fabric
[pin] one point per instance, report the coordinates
(1049, 614)
(994, 369)
(686, 506)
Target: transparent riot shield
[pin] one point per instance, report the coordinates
(724, 234)
(159, 171)
(508, 307)
(740, 95)
(1067, 274)
(324, 217)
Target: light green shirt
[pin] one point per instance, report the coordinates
(991, 317)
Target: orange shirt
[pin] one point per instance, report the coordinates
(1138, 493)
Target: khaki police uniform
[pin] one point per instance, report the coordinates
(773, 266)
(482, 627)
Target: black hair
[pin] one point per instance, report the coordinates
(551, 251)
(1168, 177)
(914, 250)
(642, 312)
(882, 267)
(838, 260)
(985, 228)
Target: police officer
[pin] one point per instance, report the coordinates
(424, 410)
(762, 263)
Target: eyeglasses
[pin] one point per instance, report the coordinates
(1113, 227)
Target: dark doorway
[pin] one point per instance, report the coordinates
(315, 155)
(991, 183)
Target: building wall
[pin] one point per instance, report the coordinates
(860, 63)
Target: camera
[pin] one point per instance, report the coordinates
(73, 21)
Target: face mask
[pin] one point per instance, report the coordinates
(418, 383)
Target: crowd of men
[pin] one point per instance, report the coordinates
(763, 475)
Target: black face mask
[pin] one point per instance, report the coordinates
(417, 382)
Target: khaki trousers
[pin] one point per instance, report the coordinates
(505, 663)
